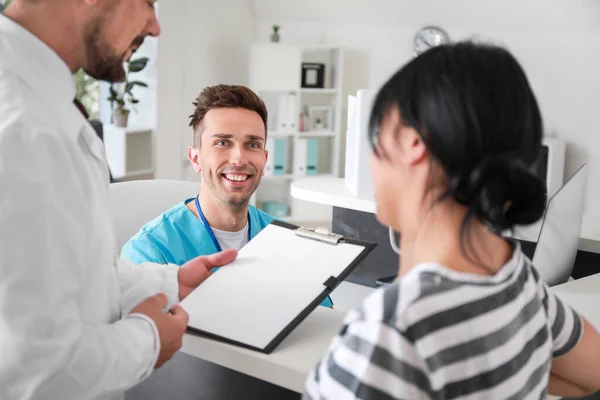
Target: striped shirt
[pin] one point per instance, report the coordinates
(441, 334)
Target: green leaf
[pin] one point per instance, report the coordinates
(132, 84)
(143, 60)
(114, 98)
(138, 64)
(138, 83)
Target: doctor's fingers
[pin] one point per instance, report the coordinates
(161, 299)
(152, 305)
(221, 258)
(180, 315)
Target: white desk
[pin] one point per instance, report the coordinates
(333, 192)
(289, 364)
(584, 296)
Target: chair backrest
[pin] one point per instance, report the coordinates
(135, 203)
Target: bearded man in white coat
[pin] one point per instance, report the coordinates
(75, 321)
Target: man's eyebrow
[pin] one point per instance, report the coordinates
(229, 136)
(254, 137)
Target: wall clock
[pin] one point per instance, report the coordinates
(428, 37)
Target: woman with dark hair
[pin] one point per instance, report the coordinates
(455, 133)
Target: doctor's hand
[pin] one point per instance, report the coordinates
(194, 272)
(171, 326)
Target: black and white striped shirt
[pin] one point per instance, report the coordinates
(441, 334)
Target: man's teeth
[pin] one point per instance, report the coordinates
(237, 178)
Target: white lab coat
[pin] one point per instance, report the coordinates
(65, 332)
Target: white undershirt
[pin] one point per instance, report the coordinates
(231, 240)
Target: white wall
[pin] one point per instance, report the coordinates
(203, 42)
(558, 45)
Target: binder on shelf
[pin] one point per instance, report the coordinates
(269, 147)
(288, 113)
(283, 123)
(279, 156)
(277, 280)
(293, 113)
(312, 156)
(300, 156)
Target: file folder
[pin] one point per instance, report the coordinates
(270, 147)
(300, 157)
(279, 155)
(312, 156)
(277, 280)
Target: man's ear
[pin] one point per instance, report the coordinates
(266, 158)
(194, 158)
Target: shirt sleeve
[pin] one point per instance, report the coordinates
(565, 324)
(368, 360)
(140, 251)
(143, 271)
(48, 349)
(138, 282)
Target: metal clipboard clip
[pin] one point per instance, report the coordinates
(319, 234)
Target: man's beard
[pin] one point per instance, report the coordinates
(222, 195)
(234, 202)
(102, 62)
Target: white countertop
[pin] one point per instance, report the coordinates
(333, 192)
(330, 191)
(290, 363)
(583, 295)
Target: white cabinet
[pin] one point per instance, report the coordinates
(304, 119)
(128, 151)
(275, 67)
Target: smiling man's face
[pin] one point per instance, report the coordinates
(232, 156)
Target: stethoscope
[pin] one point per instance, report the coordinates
(210, 231)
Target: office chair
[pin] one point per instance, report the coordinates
(134, 203)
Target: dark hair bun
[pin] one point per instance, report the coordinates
(501, 192)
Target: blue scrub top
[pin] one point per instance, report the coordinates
(177, 236)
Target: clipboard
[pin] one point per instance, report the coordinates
(277, 280)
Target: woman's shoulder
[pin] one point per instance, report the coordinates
(392, 304)
(429, 291)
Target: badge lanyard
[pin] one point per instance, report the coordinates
(210, 231)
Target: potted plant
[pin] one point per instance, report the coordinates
(318, 124)
(122, 93)
(275, 34)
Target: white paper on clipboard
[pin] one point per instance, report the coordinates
(273, 282)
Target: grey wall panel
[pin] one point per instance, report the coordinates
(383, 261)
(362, 225)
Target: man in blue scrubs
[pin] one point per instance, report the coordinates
(230, 132)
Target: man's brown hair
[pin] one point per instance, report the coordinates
(225, 96)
